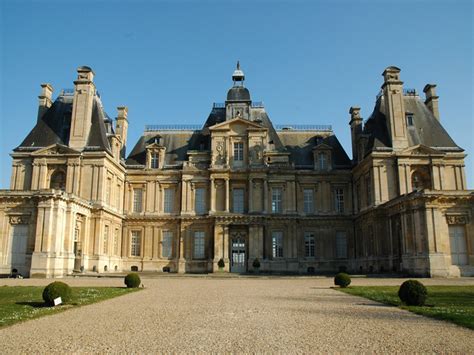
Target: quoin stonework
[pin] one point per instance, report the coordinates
(238, 188)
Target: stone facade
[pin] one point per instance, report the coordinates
(237, 188)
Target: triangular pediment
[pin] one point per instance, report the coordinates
(322, 146)
(236, 121)
(154, 146)
(421, 149)
(56, 149)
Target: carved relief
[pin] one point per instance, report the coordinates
(19, 219)
(457, 219)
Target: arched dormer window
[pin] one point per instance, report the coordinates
(58, 180)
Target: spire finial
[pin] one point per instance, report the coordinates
(238, 65)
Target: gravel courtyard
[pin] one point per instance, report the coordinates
(209, 314)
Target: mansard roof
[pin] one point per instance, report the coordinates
(54, 127)
(426, 129)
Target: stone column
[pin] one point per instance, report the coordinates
(265, 195)
(181, 245)
(227, 195)
(213, 195)
(250, 196)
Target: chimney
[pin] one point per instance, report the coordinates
(121, 126)
(392, 89)
(356, 129)
(81, 120)
(45, 100)
(431, 100)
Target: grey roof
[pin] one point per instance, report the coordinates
(238, 93)
(426, 129)
(54, 127)
(301, 144)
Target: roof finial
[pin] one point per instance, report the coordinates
(238, 65)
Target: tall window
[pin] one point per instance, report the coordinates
(323, 162)
(108, 190)
(277, 244)
(238, 151)
(341, 245)
(137, 200)
(105, 246)
(276, 199)
(169, 200)
(199, 200)
(136, 243)
(339, 197)
(155, 159)
(409, 118)
(116, 242)
(166, 244)
(238, 200)
(118, 196)
(308, 200)
(309, 245)
(199, 245)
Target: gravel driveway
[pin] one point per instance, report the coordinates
(205, 314)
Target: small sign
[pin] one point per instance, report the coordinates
(57, 301)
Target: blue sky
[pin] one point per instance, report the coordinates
(168, 61)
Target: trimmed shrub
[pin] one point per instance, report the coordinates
(221, 263)
(413, 293)
(342, 279)
(132, 280)
(57, 289)
(256, 263)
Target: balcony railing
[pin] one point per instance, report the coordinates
(303, 127)
(254, 104)
(172, 127)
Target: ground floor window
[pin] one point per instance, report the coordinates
(277, 244)
(166, 244)
(309, 245)
(341, 245)
(199, 245)
(135, 243)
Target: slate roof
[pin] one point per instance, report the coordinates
(54, 127)
(426, 129)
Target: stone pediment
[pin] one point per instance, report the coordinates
(227, 125)
(154, 146)
(322, 146)
(421, 149)
(56, 149)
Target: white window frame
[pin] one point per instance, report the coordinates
(168, 200)
(339, 199)
(309, 245)
(277, 244)
(199, 251)
(308, 201)
(200, 200)
(137, 200)
(135, 243)
(323, 161)
(239, 151)
(167, 244)
(277, 199)
(154, 160)
(238, 200)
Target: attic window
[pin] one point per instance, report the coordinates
(409, 118)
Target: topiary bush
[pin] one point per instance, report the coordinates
(413, 293)
(221, 263)
(342, 279)
(57, 289)
(132, 280)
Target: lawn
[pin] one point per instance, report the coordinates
(19, 303)
(451, 303)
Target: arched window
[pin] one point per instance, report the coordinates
(58, 180)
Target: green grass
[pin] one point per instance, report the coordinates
(19, 303)
(450, 303)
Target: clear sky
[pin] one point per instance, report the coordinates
(168, 61)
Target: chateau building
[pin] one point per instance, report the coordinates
(237, 188)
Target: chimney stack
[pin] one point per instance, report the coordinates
(45, 99)
(121, 127)
(356, 129)
(431, 100)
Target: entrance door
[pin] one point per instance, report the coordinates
(19, 242)
(457, 242)
(77, 251)
(238, 259)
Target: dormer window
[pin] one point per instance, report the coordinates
(238, 151)
(323, 161)
(155, 159)
(409, 118)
